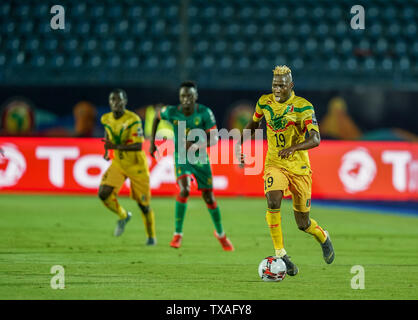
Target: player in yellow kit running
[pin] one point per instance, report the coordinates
(292, 129)
(124, 135)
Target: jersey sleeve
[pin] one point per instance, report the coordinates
(258, 113)
(165, 113)
(308, 119)
(107, 128)
(209, 120)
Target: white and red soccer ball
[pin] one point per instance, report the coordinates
(272, 269)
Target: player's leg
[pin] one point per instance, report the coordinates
(109, 187)
(181, 205)
(215, 214)
(111, 182)
(275, 183)
(274, 220)
(141, 193)
(308, 225)
(301, 194)
(108, 197)
(148, 217)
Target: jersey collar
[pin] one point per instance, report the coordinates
(196, 108)
(292, 95)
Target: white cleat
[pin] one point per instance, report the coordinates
(120, 226)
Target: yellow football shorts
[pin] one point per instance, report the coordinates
(140, 190)
(299, 186)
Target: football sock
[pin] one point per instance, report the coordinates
(315, 230)
(181, 206)
(149, 223)
(215, 214)
(274, 222)
(112, 203)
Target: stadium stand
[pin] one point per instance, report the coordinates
(224, 42)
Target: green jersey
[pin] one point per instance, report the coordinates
(202, 118)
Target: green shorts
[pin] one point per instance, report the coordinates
(201, 172)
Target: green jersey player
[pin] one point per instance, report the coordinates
(190, 157)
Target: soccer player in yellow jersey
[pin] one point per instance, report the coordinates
(124, 135)
(292, 129)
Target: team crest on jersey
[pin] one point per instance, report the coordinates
(175, 122)
(197, 121)
(279, 122)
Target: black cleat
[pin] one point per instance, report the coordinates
(292, 270)
(151, 242)
(328, 250)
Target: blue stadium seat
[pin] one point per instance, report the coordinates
(94, 61)
(234, 36)
(38, 60)
(131, 62)
(75, 61)
(82, 28)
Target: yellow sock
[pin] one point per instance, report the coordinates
(112, 203)
(149, 223)
(274, 221)
(315, 230)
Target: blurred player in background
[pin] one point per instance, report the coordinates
(124, 135)
(292, 129)
(194, 116)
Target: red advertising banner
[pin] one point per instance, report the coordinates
(341, 170)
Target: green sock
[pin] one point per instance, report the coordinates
(181, 207)
(215, 214)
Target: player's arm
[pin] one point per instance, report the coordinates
(122, 147)
(252, 125)
(106, 154)
(155, 123)
(308, 123)
(311, 142)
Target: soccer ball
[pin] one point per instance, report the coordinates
(272, 269)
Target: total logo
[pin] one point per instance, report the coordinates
(12, 165)
(359, 169)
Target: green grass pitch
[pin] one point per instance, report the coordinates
(38, 232)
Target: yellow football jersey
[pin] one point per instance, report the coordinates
(125, 130)
(287, 124)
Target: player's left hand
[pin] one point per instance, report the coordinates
(286, 153)
(108, 144)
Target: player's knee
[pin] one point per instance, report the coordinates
(208, 197)
(103, 194)
(144, 209)
(273, 203)
(184, 192)
(303, 227)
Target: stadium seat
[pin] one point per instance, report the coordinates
(249, 35)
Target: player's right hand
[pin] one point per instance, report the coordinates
(106, 155)
(152, 149)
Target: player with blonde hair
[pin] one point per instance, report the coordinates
(292, 129)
